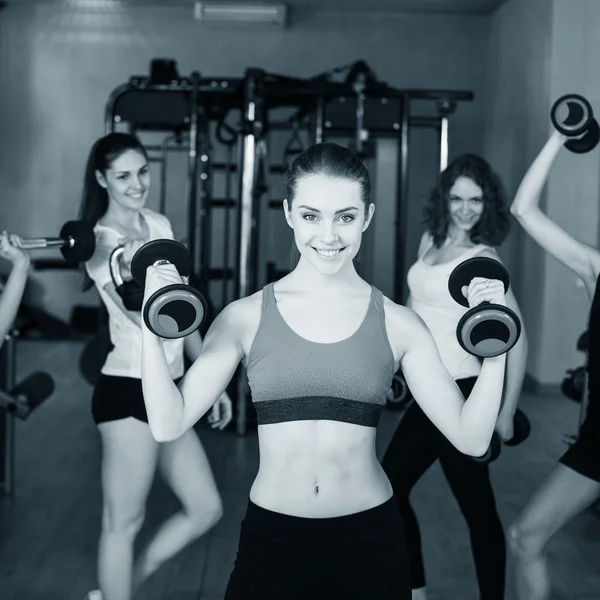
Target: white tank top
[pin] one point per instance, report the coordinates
(431, 300)
(125, 360)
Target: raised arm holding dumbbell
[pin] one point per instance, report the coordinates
(574, 483)
(577, 130)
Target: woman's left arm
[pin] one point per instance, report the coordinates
(516, 365)
(222, 411)
(192, 346)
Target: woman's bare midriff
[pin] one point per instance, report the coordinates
(318, 469)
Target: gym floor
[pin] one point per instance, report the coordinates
(49, 529)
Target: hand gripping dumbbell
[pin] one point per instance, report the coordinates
(175, 310)
(486, 330)
(27, 395)
(76, 241)
(522, 429)
(572, 115)
(130, 291)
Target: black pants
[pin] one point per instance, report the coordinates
(584, 455)
(416, 444)
(116, 398)
(354, 557)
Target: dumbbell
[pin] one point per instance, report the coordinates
(130, 291)
(76, 241)
(175, 310)
(522, 429)
(573, 384)
(486, 330)
(572, 115)
(399, 394)
(26, 396)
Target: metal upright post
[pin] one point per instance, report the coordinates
(7, 420)
(401, 200)
(319, 118)
(254, 121)
(205, 193)
(445, 109)
(194, 227)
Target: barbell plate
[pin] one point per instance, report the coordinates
(84, 242)
(479, 266)
(174, 252)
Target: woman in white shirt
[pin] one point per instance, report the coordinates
(466, 216)
(116, 187)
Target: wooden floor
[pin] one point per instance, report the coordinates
(49, 529)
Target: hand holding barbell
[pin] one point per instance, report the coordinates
(76, 242)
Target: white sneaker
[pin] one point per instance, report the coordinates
(94, 595)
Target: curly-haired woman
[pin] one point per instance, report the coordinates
(466, 216)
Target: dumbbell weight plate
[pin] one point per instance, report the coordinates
(177, 254)
(522, 429)
(578, 114)
(493, 451)
(479, 266)
(586, 143)
(83, 245)
(174, 311)
(398, 395)
(488, 330)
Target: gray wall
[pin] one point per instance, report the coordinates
(538, 51)
(59, 64)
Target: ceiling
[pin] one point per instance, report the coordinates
(423, 6)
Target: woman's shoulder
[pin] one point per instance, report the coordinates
(426, 241)
(156, 217)
(106, 241)
(486, 252)
(243, 313)
(398, 315)
(403, 325)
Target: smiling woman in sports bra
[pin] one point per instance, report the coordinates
(320, 347)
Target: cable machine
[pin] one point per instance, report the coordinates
(195, 109)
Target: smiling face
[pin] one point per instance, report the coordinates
(328, 217)
(127, 180)
(465, 204)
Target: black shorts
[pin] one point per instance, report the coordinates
(584, 455)
(117, 398)
(354, 557)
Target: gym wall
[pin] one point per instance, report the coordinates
(60, 63)
(540, 50)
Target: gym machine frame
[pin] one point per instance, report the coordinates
(254, 95)
(7, 419)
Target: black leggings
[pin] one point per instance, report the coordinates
(354, 557)
(416, 444)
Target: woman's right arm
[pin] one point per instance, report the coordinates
(468, 425)
(580, 258)
(172, 410)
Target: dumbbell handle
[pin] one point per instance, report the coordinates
(51, 242)
(7, 400)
